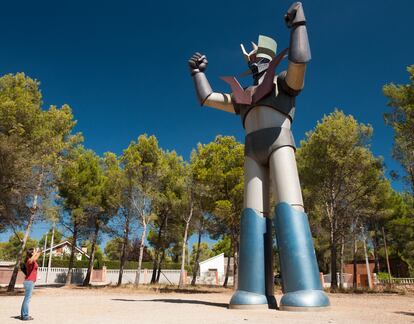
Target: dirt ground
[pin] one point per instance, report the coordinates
(110, 305)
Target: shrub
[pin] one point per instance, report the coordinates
(383, 276)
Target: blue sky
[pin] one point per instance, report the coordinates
(122, 66)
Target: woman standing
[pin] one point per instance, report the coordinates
(29, 282)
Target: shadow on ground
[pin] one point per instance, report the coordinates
(173, 289)
(405, 313)
(175, 301)
(20, 291)
(188, 291)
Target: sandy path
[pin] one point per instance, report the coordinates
(63, 305)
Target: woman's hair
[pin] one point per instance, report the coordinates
(29, 254)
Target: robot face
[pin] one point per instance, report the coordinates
(259, 67)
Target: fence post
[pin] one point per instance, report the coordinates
(104, 274)
(322, 279)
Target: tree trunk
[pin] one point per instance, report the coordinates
(155, 267)
(235, 263)
(92, 256)
(13, 278)
(182, 272)
(386, 253)
(330, 211)
(355, 274)
(141, 254)
(334, 281)
(72, 253)
(49, 263)
(157, 280)
(123, 253)
(375, 242)
(367, 264)
(226, 278)
(195, 266)
(157, 252)
(44, 252)
(341, 260)
(33, 210)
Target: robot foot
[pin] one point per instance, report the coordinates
(248, 300)
(304, 300)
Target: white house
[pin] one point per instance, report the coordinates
(64, 248)
(214, 264)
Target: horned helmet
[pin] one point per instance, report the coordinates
(260, 57)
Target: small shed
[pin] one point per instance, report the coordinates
(214, 264)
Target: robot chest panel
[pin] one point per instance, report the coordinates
(260, 117)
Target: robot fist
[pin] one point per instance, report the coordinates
(197, 63)
(295, 15)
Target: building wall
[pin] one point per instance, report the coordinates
(216, 263)
(6, 274)
(361, 268)
(348, 274)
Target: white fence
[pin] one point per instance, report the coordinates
(398, 281)
(58, 275)
(346, 280)
(128, 276)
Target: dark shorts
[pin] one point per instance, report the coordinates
(260, 144)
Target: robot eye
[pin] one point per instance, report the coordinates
(263, 61)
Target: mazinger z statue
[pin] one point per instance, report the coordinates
(267, 110)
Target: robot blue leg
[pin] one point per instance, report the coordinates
(270, 279)
(300, 272)
(251, 292)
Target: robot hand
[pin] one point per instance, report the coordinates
(295, 15)
(197, 63)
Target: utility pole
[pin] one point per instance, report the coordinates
(386, 253)
(50, 253)
(44, 252)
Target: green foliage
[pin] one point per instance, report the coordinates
(205, 252)
(401, 119)
(10, 249)
(113, 248)
(340, 178)
(383, 276)
(222, 246)
(3, 254)
(400, 229)
(133, 265)
(218, 167)
(57, 238)
(99, 256)
(168, 206)
(32, 143)
(64, 263)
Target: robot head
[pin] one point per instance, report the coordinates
(259, 58)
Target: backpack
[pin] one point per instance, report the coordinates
(23, 268)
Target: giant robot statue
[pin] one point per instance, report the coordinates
(267, 109)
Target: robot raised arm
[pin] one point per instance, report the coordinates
(299, 50)
(222, 101)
